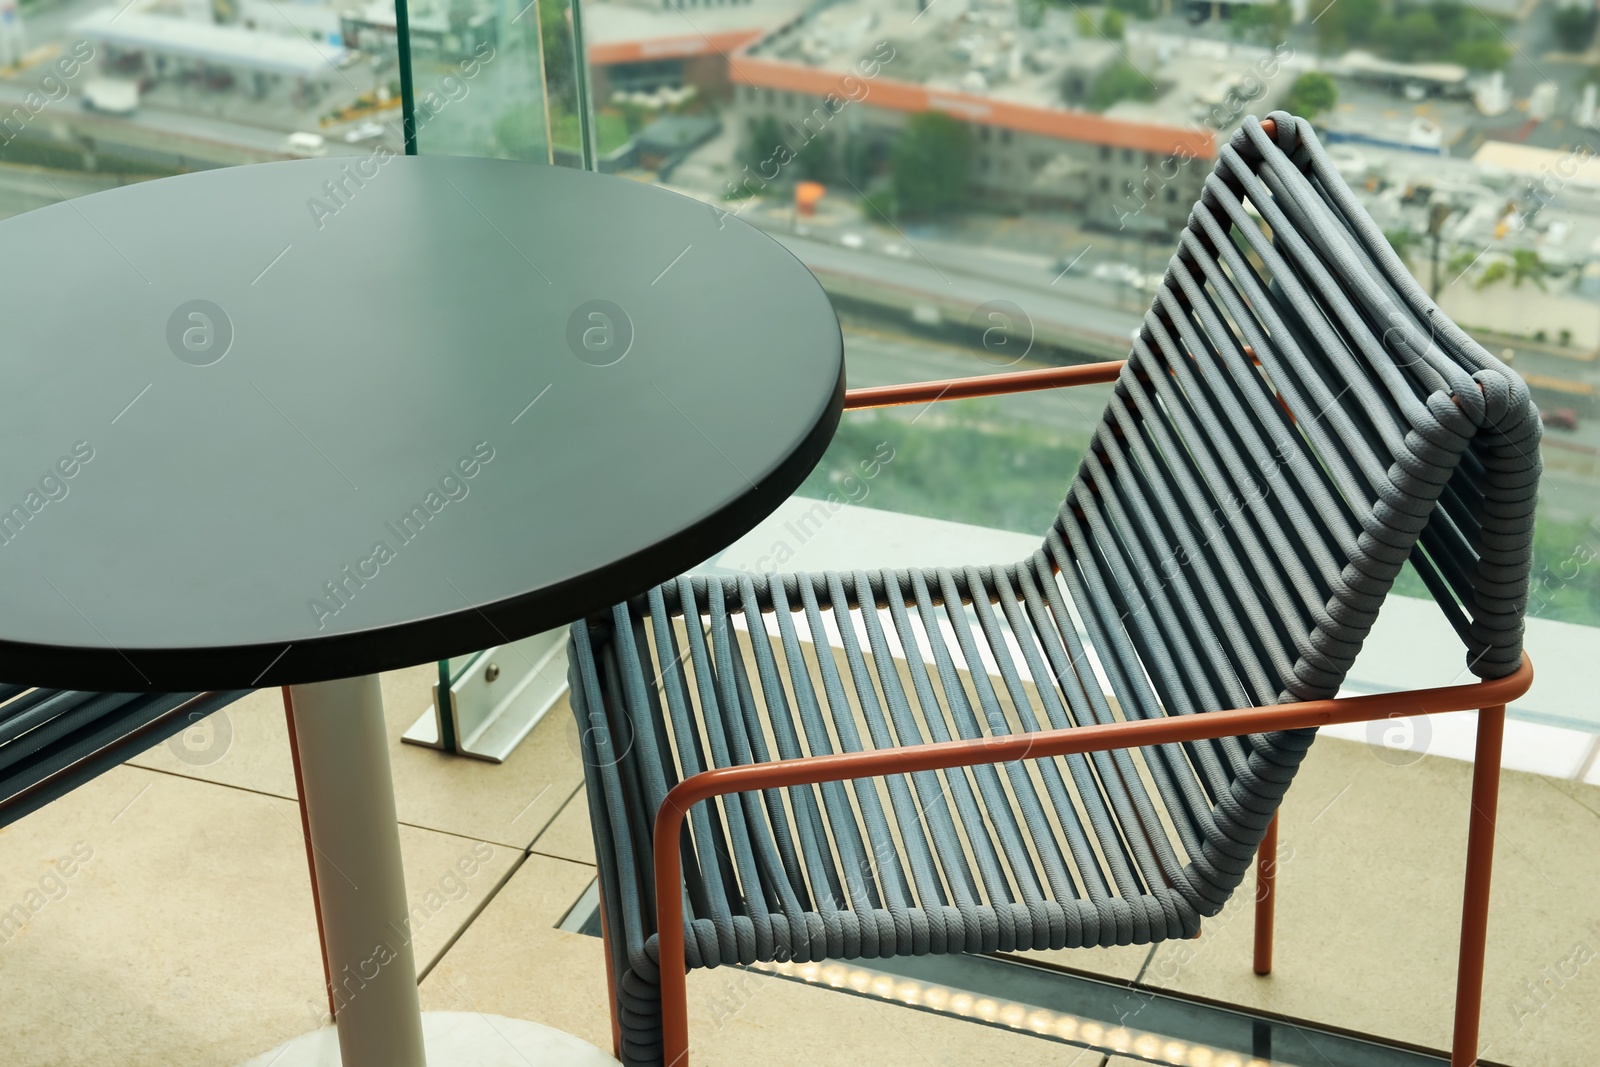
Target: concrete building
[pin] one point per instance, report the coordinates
(1546, 175)
(437, 32)
(140, 41)
(652, 44)
(1448, 80)
(860, 70)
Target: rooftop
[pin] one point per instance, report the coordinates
(971, 60)
(1577, 167)
(137, 29)
(637, 32)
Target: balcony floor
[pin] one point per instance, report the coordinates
(186, 936)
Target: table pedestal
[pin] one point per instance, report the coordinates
(355, 841)
(342, 747)
(458, 1039)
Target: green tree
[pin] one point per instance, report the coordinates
(1526, 266)
(930, 163)
(1436, 31)
(610, 129)
(1112, 25)
(1343, 23)
(857, 160)
(1312, 93)
(1415, 36)
(816, 160)
(1265, 23)
(1481, 53)
(764, 135)
(520, 132)
(1120, 81)
(1402, 241)
(1499, 270)
(879, 206)
(1085, 24)
(1139, 9)
(1573, 27)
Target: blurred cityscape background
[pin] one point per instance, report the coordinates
(978, 183)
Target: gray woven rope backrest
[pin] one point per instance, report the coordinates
(1276, 498)
(1282, 533)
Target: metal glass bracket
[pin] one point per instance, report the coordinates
(485, 704)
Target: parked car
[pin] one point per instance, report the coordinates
(305, 144)
(1559, 419)
(111, 96)
(367, 131)
(1125, 273)
(1073, 262)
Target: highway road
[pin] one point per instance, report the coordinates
(1073, 312)
(201, 140)
(25, 188)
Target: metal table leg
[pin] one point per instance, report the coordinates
(342, 764)
(361, 889)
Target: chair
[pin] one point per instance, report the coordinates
(1088, 747)
(52, 741)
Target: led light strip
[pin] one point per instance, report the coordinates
(1008, 1013)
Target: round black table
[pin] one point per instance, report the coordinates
(297, 423)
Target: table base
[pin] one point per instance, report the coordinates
(457, 1039)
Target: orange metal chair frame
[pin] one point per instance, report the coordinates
(1489, 698)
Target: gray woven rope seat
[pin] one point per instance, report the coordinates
(54, 740)
(1295, 422)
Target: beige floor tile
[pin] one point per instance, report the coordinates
(151, 918)
(507, 803)
(1369, 911)
(1582, 794)
(513, 961)
(245, 744)
(568, 836)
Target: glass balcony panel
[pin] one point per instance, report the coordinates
(495, 79)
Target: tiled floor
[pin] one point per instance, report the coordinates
(184, 933)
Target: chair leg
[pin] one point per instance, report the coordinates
(611, 983)
(1475, 900)
(311, 858)
(1266, 889)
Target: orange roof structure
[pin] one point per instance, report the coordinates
(692, 44)
(1062, 123)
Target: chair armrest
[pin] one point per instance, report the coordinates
(883, 396)
(1134, 733)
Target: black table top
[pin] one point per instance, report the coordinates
(307, 420)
